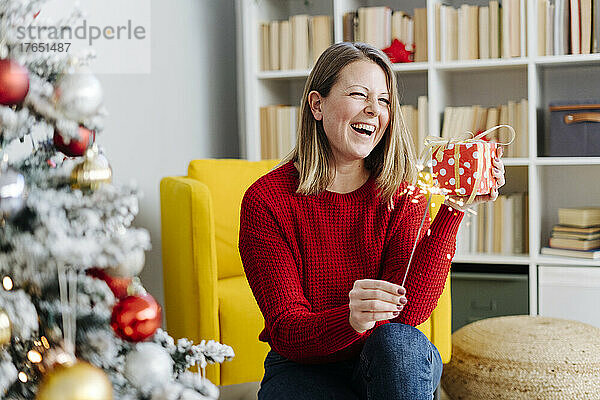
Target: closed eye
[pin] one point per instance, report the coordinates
(386, 101)
(358, 93)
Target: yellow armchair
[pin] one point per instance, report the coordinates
(207, 295)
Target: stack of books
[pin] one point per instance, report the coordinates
(278, 125)
(568, 27)
(577, 233)
(378, 26)
(294, 44)
(478, 32)
(476, 119)
(499, 227)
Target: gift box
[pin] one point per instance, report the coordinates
(465, 169)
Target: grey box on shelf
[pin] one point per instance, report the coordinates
(574, 130)
(480, 295)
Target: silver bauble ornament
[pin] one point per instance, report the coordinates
(148, 366)
(78, 94)
(12, 192)
(131, 266)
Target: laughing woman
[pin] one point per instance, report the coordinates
(325, 240)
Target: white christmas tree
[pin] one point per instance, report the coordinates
(75, 322)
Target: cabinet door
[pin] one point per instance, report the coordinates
(570, 293)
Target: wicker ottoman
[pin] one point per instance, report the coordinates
(524, 357)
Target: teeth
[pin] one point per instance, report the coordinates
(366, 127)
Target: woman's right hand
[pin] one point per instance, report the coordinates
(373, 300)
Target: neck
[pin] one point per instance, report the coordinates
(349, 177)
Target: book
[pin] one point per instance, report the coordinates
(422, 125)
(285, 46)
(579, 217)
(494, 28)
(591, 254)
(499, 227)
(265, 59)
(550, 30)
(595, 26)
(574, 244)
(473, 36)
(489, 220)
(579, 236)
(505, 29)
(508, 221)
(575, 26)
(523, 27)
(463, 32)
(586, 26)
(321, 35)
(484, 32)
(438, 8)
(541, 27)
(300, 41)
(420, 22)
(348, 22)
(571, 229)
(519, 223)
(274, 45)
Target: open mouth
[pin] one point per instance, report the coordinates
(363, 129)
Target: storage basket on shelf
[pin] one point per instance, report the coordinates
(574, 130)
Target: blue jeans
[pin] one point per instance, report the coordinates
(396, 362)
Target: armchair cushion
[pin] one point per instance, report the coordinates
(241, 322)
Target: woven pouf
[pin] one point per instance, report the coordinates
(524, 357)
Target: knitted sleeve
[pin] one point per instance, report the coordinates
(295, 331)
(431, 261)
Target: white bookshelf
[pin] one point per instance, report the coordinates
(551, 182)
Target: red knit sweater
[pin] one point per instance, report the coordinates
(302, 254)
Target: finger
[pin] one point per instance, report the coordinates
(376, 294)
(498, 164)
(500, 151)
(379, 316)
(381, 285)
(377, 306)
(494, 195)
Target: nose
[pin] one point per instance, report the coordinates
(372, 108)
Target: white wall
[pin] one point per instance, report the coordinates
(184, 109)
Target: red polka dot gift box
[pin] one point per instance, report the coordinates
(465, 169)
(462, 166)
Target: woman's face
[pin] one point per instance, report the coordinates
(356, 113)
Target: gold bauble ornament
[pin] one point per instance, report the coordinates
(92, 172)
(78, 381)
(5, 328)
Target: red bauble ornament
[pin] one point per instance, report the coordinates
(76, 147)
(117, 285)
(136, 318)
(14, 82)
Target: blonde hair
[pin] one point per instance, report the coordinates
(392, 161)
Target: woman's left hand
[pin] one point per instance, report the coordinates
(497, 172)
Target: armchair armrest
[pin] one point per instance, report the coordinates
(189, 259)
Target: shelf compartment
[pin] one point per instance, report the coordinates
(565, 186)
(483, 64)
